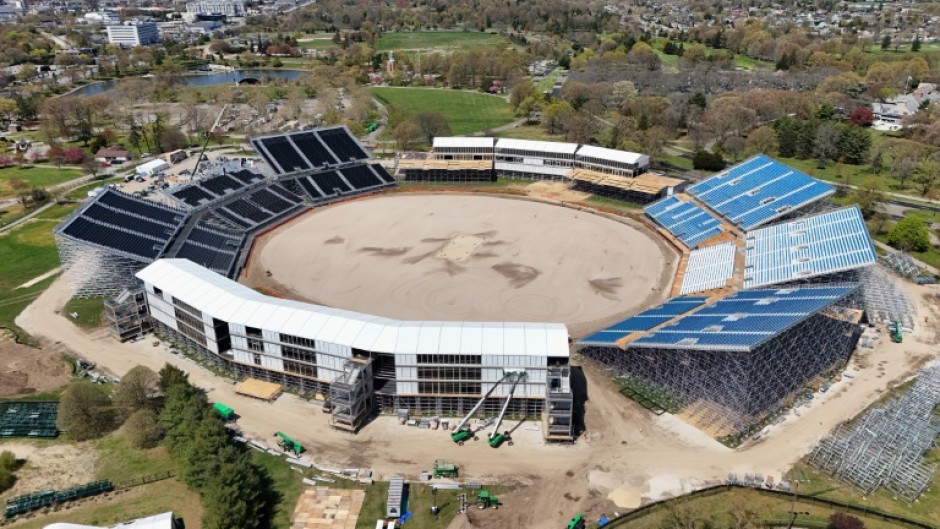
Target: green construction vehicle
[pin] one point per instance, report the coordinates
(577, 522)
(288, 444)
(495, 438)
(462, 431)
(445, 469)
(894, 329)
(224, 411)
(372, 127)
(485, 500)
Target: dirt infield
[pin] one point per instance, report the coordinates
(461, 257)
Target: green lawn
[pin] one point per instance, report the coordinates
(120, 462)
(316, 41)
(27, 252)
(530, 132)
(467, 112)
(438, 40)
(287, 484)
(89, 311)
(34, 177)
(419, 499)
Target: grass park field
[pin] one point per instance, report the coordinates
(466, 112)
(34, 176)
(438, 41)
(315, 41)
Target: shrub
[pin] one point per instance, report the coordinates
(707, 161)
(840, 520)
(85, 412)
(909, 235)
(142, 430)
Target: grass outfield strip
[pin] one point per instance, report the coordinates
(467, 112)
(421, 40)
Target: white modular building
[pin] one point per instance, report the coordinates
(131, 34)
(463, 148)
(152, 167)
(424, 366)
(542, 160)
(229, 8)
(611, 161)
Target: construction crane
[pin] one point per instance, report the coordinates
(462, 432)
(288, 444)
(496, 439)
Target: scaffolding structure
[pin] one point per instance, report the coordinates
(885, 447)
(95, 271)
(731, 394)
(902, 264)
(351, 395)
(128, 315)
(884, 297)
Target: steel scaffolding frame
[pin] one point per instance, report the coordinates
(884, 297)
(885, 447)
(902, 264)
(732, 394)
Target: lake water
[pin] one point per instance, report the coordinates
(208, 79)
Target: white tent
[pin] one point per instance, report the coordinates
(152, 167)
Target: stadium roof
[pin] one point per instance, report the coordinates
(687, 221)
(613, 155)
(557, 147)
(644, 321)
(758, 191)
(235, 303)
(745, 320)
(480, 142)
(827, 243)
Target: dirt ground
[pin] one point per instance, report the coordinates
(626, 456)
(26, 370)
(51, 465)
(462, 257)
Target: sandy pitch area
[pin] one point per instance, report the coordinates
(459, 257)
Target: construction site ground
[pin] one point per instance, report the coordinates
(625, 457)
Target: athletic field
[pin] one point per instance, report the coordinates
(467, 112)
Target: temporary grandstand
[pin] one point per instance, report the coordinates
(610, 173)
(781, 301)
(215, 218)
(727, 365)
(758, 191)
(428, 367)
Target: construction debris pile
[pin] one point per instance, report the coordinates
(885, 446)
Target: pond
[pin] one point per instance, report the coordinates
(208, 79)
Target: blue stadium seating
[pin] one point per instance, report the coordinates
(827, 243)
(688, 222)
(744, 320)
(758, 191)
(645, 320)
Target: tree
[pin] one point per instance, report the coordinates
(142, 430)
(236, 494)
(8, 109)
(8, 465)
(554, 116)
(909, 235)
(706, 161)
(406, 134)
(431, 124)
(841, 520)
(915, 46)
(862, 117)
(170, 376)
(869, 199)
(85, 412)
(92, 166)
(926, 176)
(761, 140)
(854, 144)
(579, 128)
(138, 390)
(827, 140)
(172, 139)
(885, 42)
(734, 146)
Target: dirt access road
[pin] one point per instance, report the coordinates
(625, 456)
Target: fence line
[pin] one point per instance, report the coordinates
(718, 489)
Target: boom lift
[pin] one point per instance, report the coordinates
(462, 432)
(495, 438)
(894, 329)
(288, 444)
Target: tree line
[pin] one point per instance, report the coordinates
(167, 408)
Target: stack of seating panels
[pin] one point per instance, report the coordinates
(286, 159)
(361, 177)
(212, 247)
(313, 149)
(125, 223)
(343, 145)
(383, 174)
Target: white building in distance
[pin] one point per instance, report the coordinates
(132, 34)
(229, 8)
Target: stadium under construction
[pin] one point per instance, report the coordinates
(771, 288)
